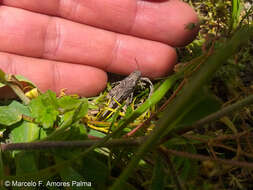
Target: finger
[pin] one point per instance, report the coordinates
(77, 79)
(163, 21)
(36, 35)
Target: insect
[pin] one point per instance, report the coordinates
(124, 89)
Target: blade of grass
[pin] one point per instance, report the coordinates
(235, 17)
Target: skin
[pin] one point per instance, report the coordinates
(73, 43)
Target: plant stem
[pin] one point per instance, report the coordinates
(70, 144)
(19, 93)
(203, 158)
(214, 116)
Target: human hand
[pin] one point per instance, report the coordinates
(71, 44)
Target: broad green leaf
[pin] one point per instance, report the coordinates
(25, 132)
(20, 108)
(158, 175)
(12, 113)
(25, 162)
(67, 103)
(9, 115)
(44, 109)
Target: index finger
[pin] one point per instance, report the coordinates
(163, 21)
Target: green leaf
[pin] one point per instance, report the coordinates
(67, 103)
(20, 108)
(12, 113)
(96, 133)
(43, 133)
(95, 171)
(197, 109)
(25, 132)
(9, 115)
(69, 174)
(19, 77)
(81, 109)
(44, 109)
(158, 175)
(77, 132)
(24, 79)
(25, 163)
(67, 118)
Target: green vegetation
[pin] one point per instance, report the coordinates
(193, 132)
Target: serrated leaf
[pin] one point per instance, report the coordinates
(9, 116)
(44, 109)
(67, 103)
(25, 132)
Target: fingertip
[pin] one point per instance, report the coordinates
(185, 26)
(166, 21)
